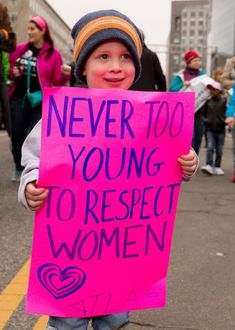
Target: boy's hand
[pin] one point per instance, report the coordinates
(188, 163)
(35, 196)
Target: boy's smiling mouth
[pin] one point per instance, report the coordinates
(114, 79)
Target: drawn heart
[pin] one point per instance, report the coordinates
(61, 283)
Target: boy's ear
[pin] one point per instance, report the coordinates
(84, 72)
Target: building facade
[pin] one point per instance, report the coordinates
(222, 31)
(189, 30)
(20, 11)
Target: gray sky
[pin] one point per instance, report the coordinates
(152, 16)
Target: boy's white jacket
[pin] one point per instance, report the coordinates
(30, 161)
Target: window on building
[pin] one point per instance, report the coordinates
(201, 14)
(177, 23)
(13, 1)
(192, 14)
(200, 23)
(192, 23)
(192, 33)
(176, 37)
(13, 18)
(200, 32)
(176, 59)
(185, 14)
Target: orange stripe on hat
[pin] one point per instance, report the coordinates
(102, 23)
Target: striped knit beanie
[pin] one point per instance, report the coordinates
(103, 25)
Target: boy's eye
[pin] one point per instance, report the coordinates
(103, 56)
(126, 56)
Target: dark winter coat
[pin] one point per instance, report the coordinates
(214, 114)
(152, 77)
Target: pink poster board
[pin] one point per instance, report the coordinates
(102, 240)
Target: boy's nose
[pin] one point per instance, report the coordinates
(115, 65)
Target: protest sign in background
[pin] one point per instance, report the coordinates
(198, 85)
(109, 160)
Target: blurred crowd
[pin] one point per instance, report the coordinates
(26, 68)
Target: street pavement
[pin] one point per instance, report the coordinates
(201, 276)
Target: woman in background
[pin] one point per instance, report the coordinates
(45, 63)
(181, 81)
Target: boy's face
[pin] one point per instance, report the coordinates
(110, 65)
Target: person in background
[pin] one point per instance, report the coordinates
(7, 45)
(183, 80)
(45, 71)
(230, 120)
(110, 59)
(213, 116)
(4, 113)
(152, 77)
(228, 81)
(228, 76)
(217, 75)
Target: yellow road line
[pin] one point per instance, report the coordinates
(13, 294)
(41, 324)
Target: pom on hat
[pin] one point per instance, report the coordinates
(103, 25)
(190, 55)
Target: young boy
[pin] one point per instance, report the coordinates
(107, 51)
(213, 117)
